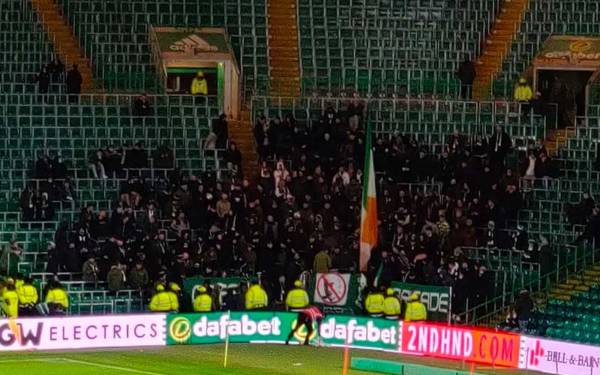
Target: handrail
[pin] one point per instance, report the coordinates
(485, 312)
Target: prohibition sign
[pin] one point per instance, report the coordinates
(331, 288)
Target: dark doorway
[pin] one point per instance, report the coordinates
(558, 85)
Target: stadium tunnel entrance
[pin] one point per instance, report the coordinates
(565, 72)
(180, 55)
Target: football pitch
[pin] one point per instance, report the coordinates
(204, 360)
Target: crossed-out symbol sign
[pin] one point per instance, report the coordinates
(331, 288)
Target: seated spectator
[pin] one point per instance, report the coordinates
(96, 165)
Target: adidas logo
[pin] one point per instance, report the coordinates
(192, 43)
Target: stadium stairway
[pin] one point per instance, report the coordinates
(497, 46)
(579, 282)
(557, 138)
(64, 42)
(284, 57)
(240, 131)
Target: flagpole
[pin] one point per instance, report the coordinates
(227, 339)
(368, 214)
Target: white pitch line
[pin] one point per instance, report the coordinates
(49, 360)
(101, 365)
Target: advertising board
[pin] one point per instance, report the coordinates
(558, 357)
(274, 327)
(437, 299)
(461, 343)
(82, 332)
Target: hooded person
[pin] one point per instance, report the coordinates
(199, 84)
(415, 309)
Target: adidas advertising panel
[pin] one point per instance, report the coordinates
(274, 327)
(558, 357)
(83, 332)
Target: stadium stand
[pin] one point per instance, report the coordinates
(115, 35)
(399, 58)
(384, 46)
(25, 49)
(542, 19)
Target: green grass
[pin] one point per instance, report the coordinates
(204, 360)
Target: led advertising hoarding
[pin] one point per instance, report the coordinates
(558, 357)
(83, 332)
(461, 343)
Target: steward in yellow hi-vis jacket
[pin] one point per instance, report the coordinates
(256, 298)
(391, 305)
(415, 309)
(297, 298)
(203, 301)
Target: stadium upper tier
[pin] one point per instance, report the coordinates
(24, 49)
(376, 46)
(114, 34)
(542, 19)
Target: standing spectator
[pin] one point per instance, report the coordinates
(90, 270)
(322, 262)
(355, 112)
(73, 82)
(138, 277)
(233, 158)
(199, 84)
(499, 144)
(43, 80)
(116, 278)
(523, 94)
(11, 254)
(57, 70)
(523, 308)
(466, 74)
(141, 106)
(221, 129)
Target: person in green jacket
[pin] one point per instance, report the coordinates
(322, 262)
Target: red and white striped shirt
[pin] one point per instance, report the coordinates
(313, 312)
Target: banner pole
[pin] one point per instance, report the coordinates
(226, 339)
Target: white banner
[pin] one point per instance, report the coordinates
(559, 357)
(331, 289)
(83, 332)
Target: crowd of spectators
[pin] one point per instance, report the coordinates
(112, 161)
(303, 212)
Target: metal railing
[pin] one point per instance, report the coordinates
(570, 260)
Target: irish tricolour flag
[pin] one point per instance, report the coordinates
(368, 214)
